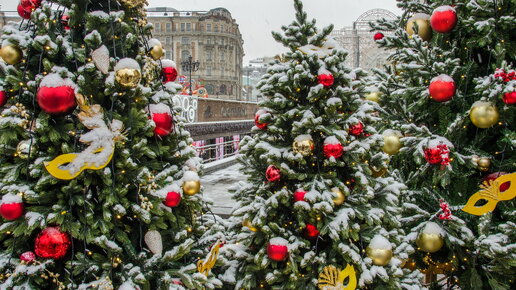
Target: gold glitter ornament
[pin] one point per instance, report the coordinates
(430, 240)
(191, 187)
(304, 145)
(484, 114)
(391, 140)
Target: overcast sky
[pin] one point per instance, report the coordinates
(257, 18)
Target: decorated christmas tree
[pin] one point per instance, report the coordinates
(316, 212)
(99, 183)
(448, 95)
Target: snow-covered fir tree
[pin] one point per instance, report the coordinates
(450, 91)
(316, 211)
(99, 182)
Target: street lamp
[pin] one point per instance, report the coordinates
(190, 67)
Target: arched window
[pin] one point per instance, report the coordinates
(223, 89)
(210, 89)
(185, 54)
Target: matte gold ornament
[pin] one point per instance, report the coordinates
(391, 140)
(379, 250)
(11, 54)
(374, 96)
(333, 279)
(491, 192)
(247, 223)
(484, 114)
(483, 164)
(128, 77)
(191, 187)
(339, 197)
(423, 24)
(430, 240)
(304, 145)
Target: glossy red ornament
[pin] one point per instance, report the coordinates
(24, 13)
(443, 19)
(326, 80)
(261, 126)
(378, 36)
(164, 123)
(28, 257)
(277, 253)
(311, 231)
(356, 129)
(11, 211)
(30, 4)
(51, 243)
(299, 195)
(169, 74)
(333, 150)
(272, 173)
(442, 88)
(509, 98)
(433, 155)
(504, 186)
(3, 98)
(56, 101)
(173, 199)
(65, 20)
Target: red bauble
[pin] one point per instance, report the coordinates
(378, 36)
(272, 173)
(332, 147)
(164, 124)
(173, 199)
(65, 19)
(356, 129)
(30, 4)
(169, 74)
(277, 252)
(261, 126)
(442, 88)
(509, 98)
(299, 195)
(504, 186)
(311, 231)
(28, 257)
(326, 80)
(24, 13)
(443, 19)
(11, 211)
(51, 243)
(433, 155)
(56, 101)
(3, 98)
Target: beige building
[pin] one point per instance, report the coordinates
(6, 17)
(213, 38)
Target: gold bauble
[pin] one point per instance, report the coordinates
(157, 52)
(373, 96)
(391, 142)
(305, 147)
(484, 163)
(484, 114)
(191, 187)
(11, 54)
(23, 148)
(247, 223)
(423, 24)
(380, 257)
(429, 243)
(378, 172)
(339, 197)
(128, 77)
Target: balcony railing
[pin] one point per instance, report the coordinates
(213, 152)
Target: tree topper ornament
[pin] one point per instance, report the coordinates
(333, 279)
(101, 140)
(490, 192)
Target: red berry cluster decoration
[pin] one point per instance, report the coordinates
(356, 129)
(438, 155)
(445, 207)
(501, 74)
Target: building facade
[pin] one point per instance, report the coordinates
(358, 41)
(213, 38)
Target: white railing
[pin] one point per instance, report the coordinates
(219, 151)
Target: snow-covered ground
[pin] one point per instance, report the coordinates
(217, 185)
